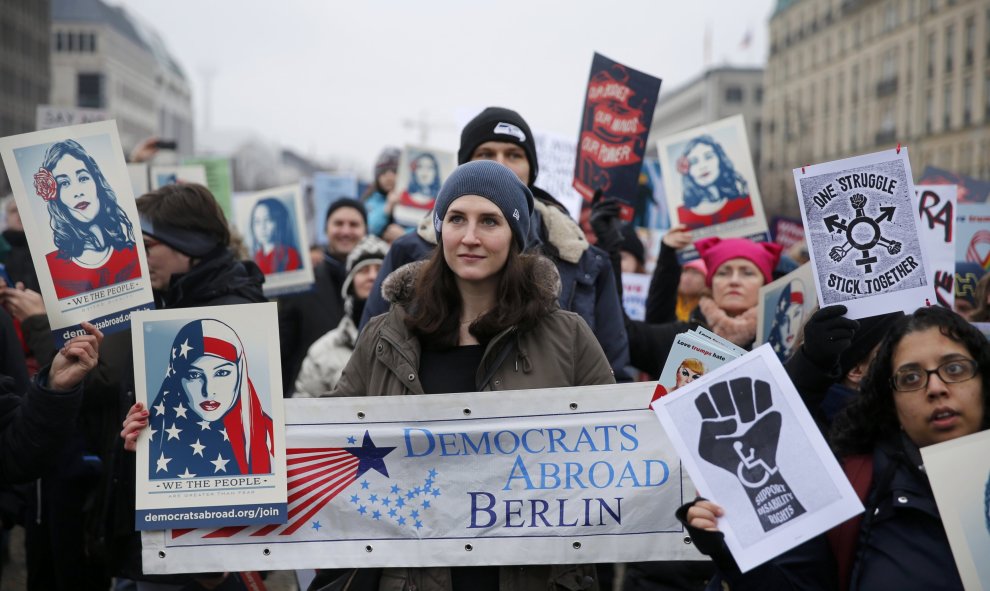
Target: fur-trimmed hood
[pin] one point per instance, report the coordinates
(397, 288)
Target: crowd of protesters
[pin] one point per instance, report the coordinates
(498, 288)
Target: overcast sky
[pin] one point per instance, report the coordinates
(339, 79)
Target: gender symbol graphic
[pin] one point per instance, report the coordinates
(862, 233)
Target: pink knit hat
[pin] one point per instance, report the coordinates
(696, 265)
(715, 251)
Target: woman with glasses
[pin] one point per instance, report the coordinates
(927, 384)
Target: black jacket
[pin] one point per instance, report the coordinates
(305, 317)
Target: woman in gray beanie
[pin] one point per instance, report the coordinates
(477, 316)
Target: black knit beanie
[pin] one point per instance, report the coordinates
(496, 124)
(346, 202)
(495, 183)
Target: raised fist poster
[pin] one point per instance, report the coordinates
(73, 192)
(710, 182)
(276, 236)
(555, 476)
(862, 234)
(935, 206)
(618, 111)
(749, 444)
(213, 454)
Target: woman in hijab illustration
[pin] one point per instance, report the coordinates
(788, 319)
(273, 241)
(94, 239)
(714, 193)
(207, 418)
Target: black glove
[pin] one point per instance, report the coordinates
(605, 222)
(826, 335)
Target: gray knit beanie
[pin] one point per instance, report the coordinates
(495, 183)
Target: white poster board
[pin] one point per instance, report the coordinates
(277, 238)
(710, 182)
(745, 436)
(73, 192)
(935, 206)
(421, 174)
(862, 234)
(959, 472)
(51, 116)
(162, 175)
(213, 454)
(557, 476)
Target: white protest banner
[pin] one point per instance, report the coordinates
(782, 308)
(557, 476)
(862, 234)
(51, 116)
(162, 175)
(635, 288)
(746, 438)
(421, 173)
(213, 454)
(936, 207)
(556, 154)
(73, 192)
(276, 235)
(710, 182)
(959, 472)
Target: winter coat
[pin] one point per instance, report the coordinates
(307, 316)
(325, 360)
(588, 285)
(559, 351)
(378, 219)
(33, 427)
(902, 543)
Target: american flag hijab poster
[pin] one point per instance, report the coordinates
(213, 454)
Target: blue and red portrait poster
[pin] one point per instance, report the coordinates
(618, 110)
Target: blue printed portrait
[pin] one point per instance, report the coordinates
(274, 246)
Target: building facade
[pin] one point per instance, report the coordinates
(103, 58)
(718, 93)
(24, 73)
(848, 77)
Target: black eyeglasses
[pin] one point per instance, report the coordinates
(950, 372)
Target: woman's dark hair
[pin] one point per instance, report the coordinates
(71, 236)
(872, 416)
(435, 312)
(284, 236)
(188, 206)
(729, 183)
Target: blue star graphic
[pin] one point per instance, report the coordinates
(386, 501)
(392, 512)
(414, 514)
(419, 524)
(355, 499)
(426, 504)
(428, 483)
(436, 492)
(433, 473)
(316, 525)
(376, 515)
(373, 498)
(402, 520)
(365, 484)
(362, 510)
(352, 440)
(369, 456)
(400, 502)
(395, 489)
(410, 495)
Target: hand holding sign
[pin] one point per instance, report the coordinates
(739, 433)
